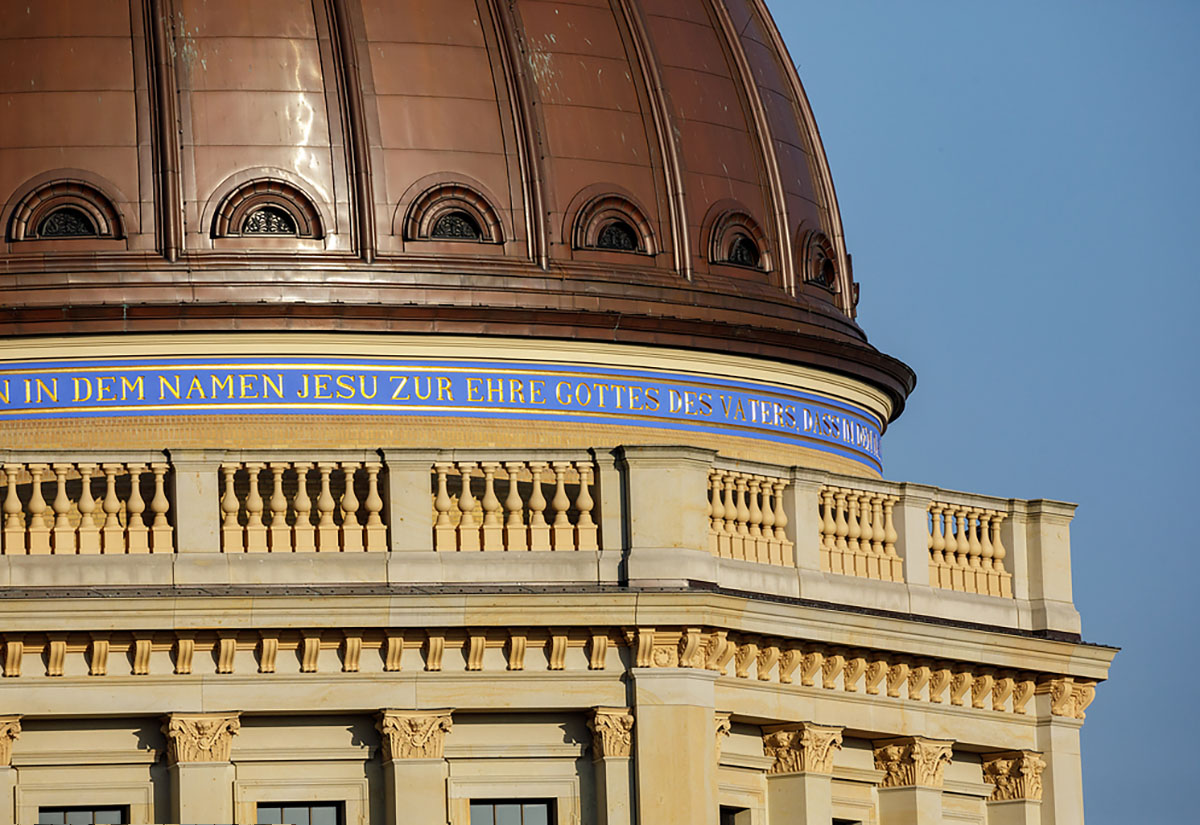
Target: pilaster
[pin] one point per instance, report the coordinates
(1017, 776)
(197, 489)
(198, 761)
(1060, 705)
(911, 790)
(675, 758)
(612, 744)
(800, 782)
(414, 765)
(10, 731)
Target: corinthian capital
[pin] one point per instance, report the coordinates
(1016, 774)
(912, 760)
(10, 731)
(413, 734)
(200, 737)
(612, 732)
(802, 747)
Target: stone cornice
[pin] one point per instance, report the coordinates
(200, 737)
(913, 761)
(612, 732)
(413, 734)
(1017, 775)
(802, 747)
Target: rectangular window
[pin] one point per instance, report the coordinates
(83, 815)
(511, 812)
(734, 816)
(300, 813)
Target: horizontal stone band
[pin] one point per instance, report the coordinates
(440, 387)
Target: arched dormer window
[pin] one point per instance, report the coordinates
(64, 210)
(452, 212)
(737, 240)
(611, 223)
(267, 209)
(820, 262)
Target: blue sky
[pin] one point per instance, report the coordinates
(1018, 183)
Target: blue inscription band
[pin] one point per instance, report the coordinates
(484, 389)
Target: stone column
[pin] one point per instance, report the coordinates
(1060, 705)
(1017, 776)
(612, 742)
(666, 495)
(800, 783)
(911, 790)
(675, 761)
(414, 765)
(198, 747)
(10, 731)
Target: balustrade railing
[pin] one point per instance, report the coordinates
(106, 506)
(503, 505)
(747, 519)
(966, 552)
(302, 506)
(858, 536)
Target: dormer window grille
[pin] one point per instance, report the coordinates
(456, 226)
(67, 222)
(744, 252)
(269, 220)
(619, 236)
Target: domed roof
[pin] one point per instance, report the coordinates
(642, 171)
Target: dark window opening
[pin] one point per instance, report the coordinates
(67, 222)
(744, 252)
(457, 226)
(826, 274)
(619, 236)
(300, 813)
(734, 816)
(84, 815)
(269, 220)
(512, 812)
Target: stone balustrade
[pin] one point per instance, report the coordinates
(637, 515)
(858, 536)
(747, 519)
(966, 549)
(106, 504)
(502, 505)
(302, 506)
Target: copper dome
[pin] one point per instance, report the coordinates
(641, 171)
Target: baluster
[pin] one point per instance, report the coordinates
(828, 528)
(563, 534)
(232, 538)
(949, 576)
(998, 554)
(890, 536)
(89, 533)
(112, 538)
(585, 530)
(842, 561)
(962, 547)
(853, 531)
(989, 582)
(468, 529)
(755, 551)
(729, 531)
(327, 530)
(160, 528)
(781, 522)
(256, 528)
(771, 543)
(975, 576)
(352, 532)
(515, 536)
(39, 533)
(63, 537)
(716, 512)
(878, 534)
(137, 537)
(493, 531)
(937, 545)
(539, 531)
(740, 550)
(867, 533)
(304, 534)
(280, 538)
(376, 530)
(444, 533)
(14, 524)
